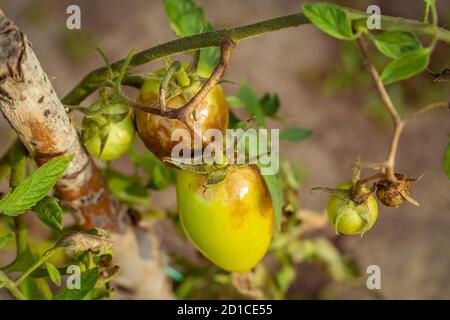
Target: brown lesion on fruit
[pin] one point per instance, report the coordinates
(394, 194)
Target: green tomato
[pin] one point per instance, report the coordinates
(230, 222)
(119, 135)
(348, 217)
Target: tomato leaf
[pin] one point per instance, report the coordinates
(160, 175)
(329, 18)
(447, 161)
(186, 19)
(49, 212)
(53, 273)
(127, 189)
(406, 66)
(87, 283)
(295, 134)
(276, 193)
(235, 101)
(4, 239)
(252, 105)
(395, 43)
(270, 104)
(35, 187)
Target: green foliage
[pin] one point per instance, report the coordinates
(276, 193)
(406, 66)
(4, 239)
(127, 189)
(447, 161)
(49, 212)
(53, 273)
(270, 104)
(186, 19)
(395, 43)
(295, 134)
(35, 187)
(160, 176)
(251, 103)
(87, 283)
(329, 18)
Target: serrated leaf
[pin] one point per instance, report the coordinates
(53, 273)
(295, 134)
(4, 239)
(406, 66)
(276, 194)
(251, 103)
(49, 212)
(186, 19)
(329, 18)
(447, 161)
(270, 104)
(395, 43)
(35, 187)
(87, 283)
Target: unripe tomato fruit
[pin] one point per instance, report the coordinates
(351, 215)
(231, 222)
(156, 131)
(120, 137)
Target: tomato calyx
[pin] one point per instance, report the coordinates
(216, 172)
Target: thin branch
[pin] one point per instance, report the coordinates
(430, 107)
(378, 82)
(95, 78)
(399, 123)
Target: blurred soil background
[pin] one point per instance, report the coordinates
(322, 86)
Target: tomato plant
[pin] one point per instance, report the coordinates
(233, 231)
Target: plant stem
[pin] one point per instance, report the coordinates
(11, 286)
(36, 265)
(399, 123)
(95, 78)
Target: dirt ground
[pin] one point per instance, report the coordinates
(411, 245)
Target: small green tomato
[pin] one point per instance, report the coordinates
(348, 217)
(114, 128)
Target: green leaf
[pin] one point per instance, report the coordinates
(35, 187)
(160, 175)
(251, 103)
(53, 273)
(235, 101)
(49, 212)
(127, 189)
(395, 43)
(276, 193)
(4, 239)
(270, 104)
(87, 283)
(186, 19)
(329, 18)
(295, 134)
(406, 66)
(447, 161)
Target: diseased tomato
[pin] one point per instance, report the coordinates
(114, 126)
(348, 217)
(230, 222)
(156, 131)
